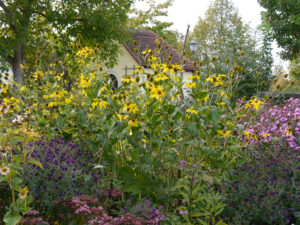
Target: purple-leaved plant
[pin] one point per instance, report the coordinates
(67, 172)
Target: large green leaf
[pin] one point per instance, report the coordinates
(11, 219)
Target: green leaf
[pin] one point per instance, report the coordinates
(11, 219)
(215, 116)
(200, 95)
(35, 162)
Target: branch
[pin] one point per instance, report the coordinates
(10, 14)
(5, 8)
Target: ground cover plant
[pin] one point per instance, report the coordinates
(153, 151)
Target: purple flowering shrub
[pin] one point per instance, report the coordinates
(86, 210)
(279, 124)
(67, 172)
(266, 189)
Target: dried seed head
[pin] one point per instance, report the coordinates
(134, 43)
(242, 53)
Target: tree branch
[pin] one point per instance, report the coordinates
(3, 6)
(10, 14)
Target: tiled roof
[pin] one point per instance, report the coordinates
(146, 40)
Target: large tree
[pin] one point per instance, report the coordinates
(22, 21)
(151, 19)
(223, 35)
(283, 17)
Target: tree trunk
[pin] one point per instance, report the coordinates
(16, 63)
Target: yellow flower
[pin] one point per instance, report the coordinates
(23, 193)
(249, 135)
(194, 77)
(288, 132)
(85, 82)
(157, 92)
(130, 107)
(222, 76)
(122, 117)
(102, 89)
(52, 104)
(266, 135)
(192, 111)
(85, 52)
(102, 104)
(133, 123)
(58, 94)
(214, 80)
(38, 75)
(68, 101)
(255, 103)
(127, 80)
(160, 77)
(224, 133)
(190, 85)
(59, 76)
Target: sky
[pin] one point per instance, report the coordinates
(184, 12)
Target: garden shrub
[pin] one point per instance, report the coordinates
(265, 190)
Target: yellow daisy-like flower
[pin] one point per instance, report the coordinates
(214, 80)
(99, 103)
(52, 104)
(194, 77)
(192, 111)
(122, 117)
(160, 77)
(133, 123)
(266, 135)
(249, 135)
(37, 75)
(224, 133)
(23, 193)
(222, 76)
(190, 85)
(255, 103)
(130, 107)
(85, 82)
(157, 92)
(288, 132)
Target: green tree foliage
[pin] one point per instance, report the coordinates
(150, 19)
(25, 22)
(223, 35)
(283, 17)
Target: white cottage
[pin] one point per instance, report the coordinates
(128, 59)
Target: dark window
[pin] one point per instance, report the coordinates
(113, 81)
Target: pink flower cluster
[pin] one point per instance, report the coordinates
(279, 122)
(30, 218)
(81, 206)
(124, 219)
